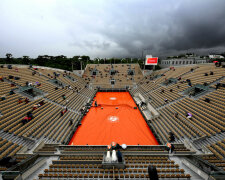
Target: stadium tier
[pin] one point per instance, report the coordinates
(112, 75)
(112, 122)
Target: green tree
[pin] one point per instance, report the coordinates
(25, 60)
(9, 58)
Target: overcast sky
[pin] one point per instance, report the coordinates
(111, 28)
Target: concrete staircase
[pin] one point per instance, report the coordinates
(49, 100)
(16, 139)
(210, 140)
(179, 161)
(171, 102)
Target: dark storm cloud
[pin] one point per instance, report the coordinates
(201, 25)
(196, 25)
(112, 28)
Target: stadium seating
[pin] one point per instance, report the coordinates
(47, 120)
(8, 148)
(103, 76)
(48, 125)
(90, 167)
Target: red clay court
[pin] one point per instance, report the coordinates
(124, 125)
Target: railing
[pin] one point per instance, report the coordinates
(205, 166)
(71, 78)
(24, 165)
(112, 89)
(169, 82)
(36, 95)
(12, 175)
(147, 72)
(57, 82)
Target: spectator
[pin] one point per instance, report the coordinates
(3, 97)
(67, 101)
(42, 103)
(166, 100)
(207, 100)
(64, 96)
(188, 80)
(96, 105)
(171, 90)
(142, 104)
(62, 113)
(206, 74)
(30, 115)
(35, 107)
(176, 114)
(170, 147)
(37, 83)
(178, 86)
(189, 115)
(71, 122)
(20, 100)
(25, 120)
(115, 146)
(119, 156)
(211, 73)
(162, 91)
(171, 137)
(11, 92)
(27, 100)
(152, 173)
(218, 85)
(11, 77)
